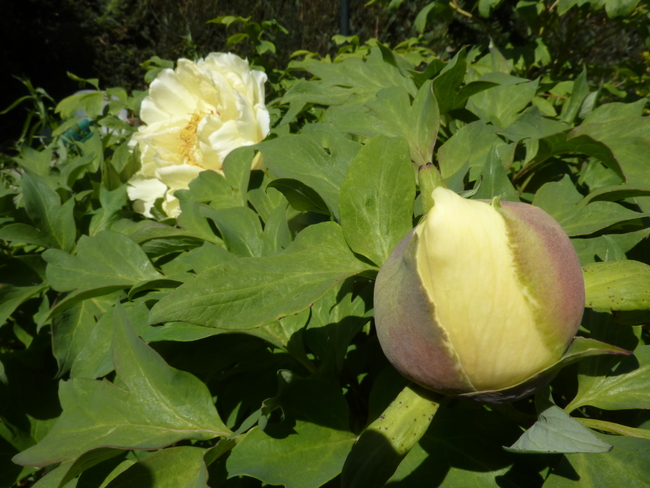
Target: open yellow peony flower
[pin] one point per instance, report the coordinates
(195, 115)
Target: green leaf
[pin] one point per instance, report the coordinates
(158, 406)
(29, 235)
(11, 297)
(237, 170)
(192, 220)
(532, 125)
(86, 461)
(335, 320)
(574, 142)
(387, 440)
(626, 465)
(616, 111)
(578, 94)
(447, 84)
(354, 77)
(103, 264)
(494, 180)
(95, 357)
(377, 198)
(240, 228)
(304, 159)
(624, 387)
(277, 285)
(485, 7)
(391, 114)
(111, 203)
(300, 196)
(277, 454)
(43, 206)
(561, 200)
(72, 328)
(617, 285)
(175, 467)
(613, 193)
(313, 433)
(555, 431)
(276, 236)
(620, 8)
(471, 145)
(501, 104)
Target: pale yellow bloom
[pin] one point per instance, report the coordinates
(195, 115)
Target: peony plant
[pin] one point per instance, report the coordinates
(195, 115)
(480, 297)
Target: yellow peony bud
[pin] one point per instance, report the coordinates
(479, 297)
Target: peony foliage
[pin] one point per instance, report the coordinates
(226, 294)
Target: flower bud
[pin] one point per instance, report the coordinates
(479, 297)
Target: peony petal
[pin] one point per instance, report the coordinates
(178, 177)
(171, 205)
(145, 191)
(226, 139)
(171, 96)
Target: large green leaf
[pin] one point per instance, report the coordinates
(628, 139)
(335, 319)
(280, 454)
(574, 142)
(531, 125)
(311, 162)
(11, 297)
(625, 386)
(393, 115)
(561, 200)
(103, 264)
(352, 77)
(501, 104)
(240, 229)
(617, 285)
(578, 93)
(158, 406)
(377, 198)
(471, 144)
(72, 328)
(176, 467)
(267, 288)
(313, 434)
(627, 465)
(43, 205)
(494, 179)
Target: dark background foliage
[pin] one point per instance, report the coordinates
(42, 40)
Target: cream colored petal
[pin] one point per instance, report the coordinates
(178, 177)
(144, 191)
(258, 80)
(171, 205)
(263, 122)
(226, 139)
(150, 112)
(235, 69)
(208, 126)
(224, 96)
(246, 121)
(170, 94)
